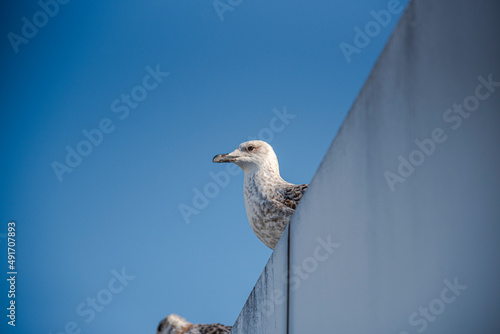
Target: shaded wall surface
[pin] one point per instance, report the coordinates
(399, 231)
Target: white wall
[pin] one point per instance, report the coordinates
(396, 253)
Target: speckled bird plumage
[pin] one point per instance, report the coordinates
(270, 201)
(174, 324)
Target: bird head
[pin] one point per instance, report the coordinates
(250, 156)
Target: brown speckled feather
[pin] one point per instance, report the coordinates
(210, 329)
(292, 194)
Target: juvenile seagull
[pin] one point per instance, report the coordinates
(269, 200)
(174, 324)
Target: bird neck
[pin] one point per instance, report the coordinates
(264, 174)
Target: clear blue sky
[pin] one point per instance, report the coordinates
(89, 66)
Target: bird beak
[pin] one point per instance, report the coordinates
(224, 158)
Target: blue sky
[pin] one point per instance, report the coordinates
(105, 247)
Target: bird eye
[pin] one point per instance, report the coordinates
(250, 148)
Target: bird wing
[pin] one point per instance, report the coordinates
(210, 329)
(292, 194)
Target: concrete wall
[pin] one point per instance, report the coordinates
(399, 231)
(266, 309)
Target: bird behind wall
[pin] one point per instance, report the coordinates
(174, 324)
(270, 201)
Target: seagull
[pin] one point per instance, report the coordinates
(269, 200)
(174, 324)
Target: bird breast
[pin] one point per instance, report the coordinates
(266, 216)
